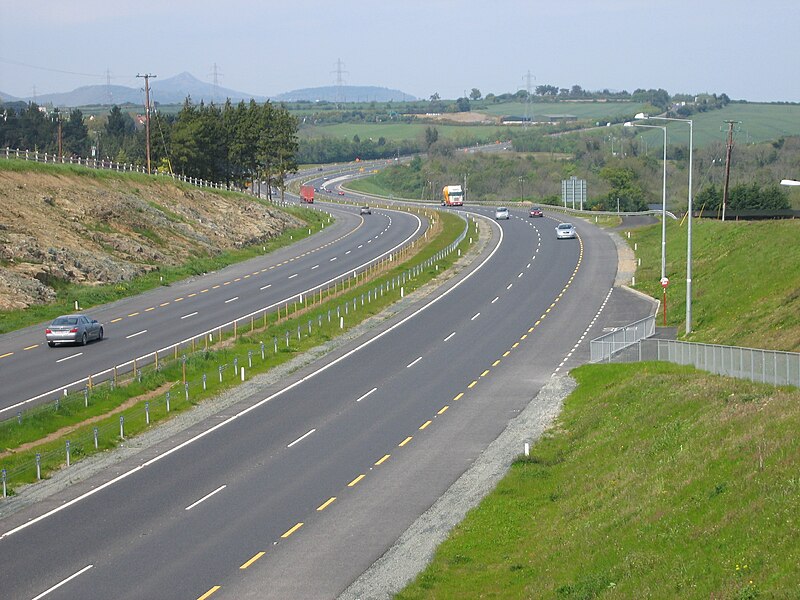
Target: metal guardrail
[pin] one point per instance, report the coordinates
(607, 346)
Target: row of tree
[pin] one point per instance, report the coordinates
(232, 144)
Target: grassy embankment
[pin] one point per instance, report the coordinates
(89, 296)
(658, 481)
(280, 337)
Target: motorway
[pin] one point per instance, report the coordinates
(31, 372)
(296, 490)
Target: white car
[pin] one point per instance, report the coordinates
(501, 213)
(565, 231)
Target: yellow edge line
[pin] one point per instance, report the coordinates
(6, 354)
(459, 396)
(252, 560)
(292, 530)
(31, 347)
(117, 319)
(405, 441)
(444, 408)
(472, 385)
(382, 460)
(424, 425)
(356, 480)
(209, 592)
(327, 503)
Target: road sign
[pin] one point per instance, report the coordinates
(664, 282)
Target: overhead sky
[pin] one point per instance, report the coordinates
(745, 48)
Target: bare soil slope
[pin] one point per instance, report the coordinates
(94, 230)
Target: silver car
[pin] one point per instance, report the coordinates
(501, 213)
(565, 231)
(74, 329)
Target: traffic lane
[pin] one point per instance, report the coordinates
(119, 503)
(391, 498)
(190, 313)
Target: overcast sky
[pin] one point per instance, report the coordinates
(749, 49)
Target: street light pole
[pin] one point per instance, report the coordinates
(689, 215)
(663, 198)
(522, 188)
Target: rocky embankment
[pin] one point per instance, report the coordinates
(96, 230)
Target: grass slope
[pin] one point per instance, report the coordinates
(745, 280)
(658, 482)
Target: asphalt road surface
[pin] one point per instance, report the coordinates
(295, 491)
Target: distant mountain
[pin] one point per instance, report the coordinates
(172, 90)
(7, 97)
(347, 93)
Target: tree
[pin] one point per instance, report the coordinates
(462, 105)
(435, 96)
(75, 134)
(624, 188)
(475, 94)
(431, 136)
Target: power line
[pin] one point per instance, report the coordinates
(30, 66)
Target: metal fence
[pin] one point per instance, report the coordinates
(765, 366)
(609, 345)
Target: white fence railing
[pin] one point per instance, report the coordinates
(93, 163)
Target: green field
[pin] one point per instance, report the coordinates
(582, 110)
(405, 131)
(658, 481)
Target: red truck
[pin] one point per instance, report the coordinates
(307, 194)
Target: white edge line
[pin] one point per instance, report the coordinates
(449, 336)
(206, 497)
(259, 404)
(60, 360)
(413, 362)
(301, 438)
(67, 580)
(231, 299)
(293, 276)
(476, 316)
(265, 286)
(133, 335)
(495, 299)
(367, 394)
(189, 315)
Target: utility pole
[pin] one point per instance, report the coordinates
(146, 78)
(727, 165)
(60, 138)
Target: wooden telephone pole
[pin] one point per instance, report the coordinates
(147, 77)
(727, 165)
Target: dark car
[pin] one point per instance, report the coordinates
(73, 329)
(536, 212)
(366, 210)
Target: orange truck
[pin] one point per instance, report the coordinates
(307, 194)
(452, 195)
